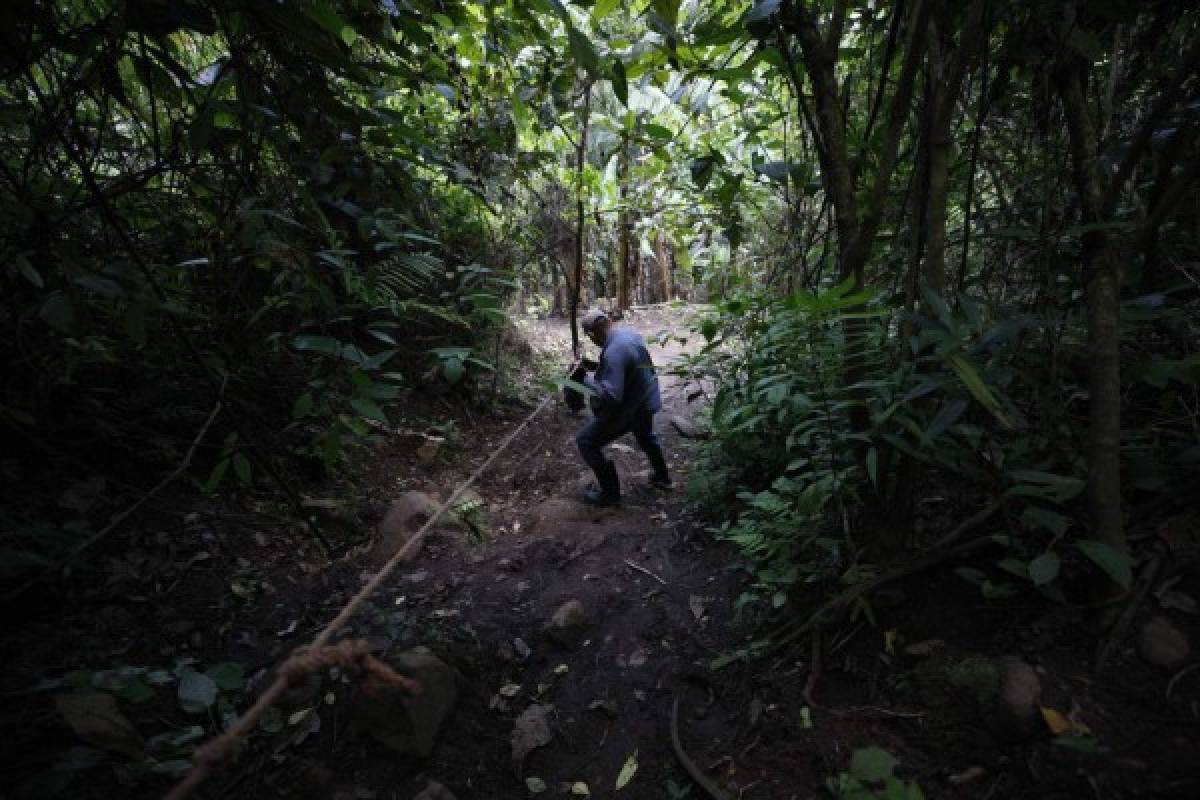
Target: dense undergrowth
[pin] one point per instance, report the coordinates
(967, 405)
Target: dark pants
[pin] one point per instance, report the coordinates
(604, 430)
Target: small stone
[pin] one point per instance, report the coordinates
(522, 649)
(404, 518)
(687, 428)
(567, 623)
(924, 649)
(409, 723)
(1017, 712)
(434, 791)
(637, 658)
(1162, 644)
(429, 450)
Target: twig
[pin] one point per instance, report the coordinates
(814, 671)
(215, 751)
(124, 515)
(1179, 675)
(689, 766)
(1146, 580)
(887, 712)
(632, 565)
(826, 613)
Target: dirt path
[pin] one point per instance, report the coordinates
(658, 605)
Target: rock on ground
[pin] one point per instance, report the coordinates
(404, 518)
(1162, 644)
(409, 724)
(435, 791)
(1017, 712)
(567, 623)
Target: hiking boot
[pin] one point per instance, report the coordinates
(661, 478)
(609, 491)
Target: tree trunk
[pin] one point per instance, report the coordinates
(623, 226)
(1102, 282)
(580, 158)
(662, 258)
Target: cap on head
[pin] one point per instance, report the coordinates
(593, 320)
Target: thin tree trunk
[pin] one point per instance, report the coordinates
(623, 226)
(1102, 281)
(580, 217)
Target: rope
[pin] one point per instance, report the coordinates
(321, 655)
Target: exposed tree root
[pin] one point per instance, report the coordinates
(689, 766)
(943, 552)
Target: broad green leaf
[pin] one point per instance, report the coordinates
(1044, 568)
(979, 390)
(627, 771)
(603, 8)
(1118, 565)
(583, 51)
(368, 408)
(620, 83)
(196, 691)
(31, 274)
(241, 467)
(872, 764)
(303, 406)
(453, 369)
(229, 676)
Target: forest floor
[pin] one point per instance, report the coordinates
(662, 613)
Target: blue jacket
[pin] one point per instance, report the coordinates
(625, 381)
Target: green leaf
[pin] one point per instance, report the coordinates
(1118, 565)
(667, 11)
(761, 10)
(583, 52)
(196, 691)
(975, 385)
(627, 771)
(603, 8)
(229, 676)
(1044, 568)
(368, 408)
(535, 785)
(872, 764)
(658, 131)
(58, 312)
(453, 369)
(620, 83)
(303, 406)
(29, 272)
(217, 475)
(242, 468)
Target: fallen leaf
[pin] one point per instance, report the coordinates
(510, 690)
(535, 785)
(1059, 724)
(95, 719)
(289, 630)
(196, 691)
(698, 605)
(580, 789)
(531, 731)
(628, 771)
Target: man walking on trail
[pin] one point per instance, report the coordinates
(626, 401)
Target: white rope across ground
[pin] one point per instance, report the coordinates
(219, 749)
